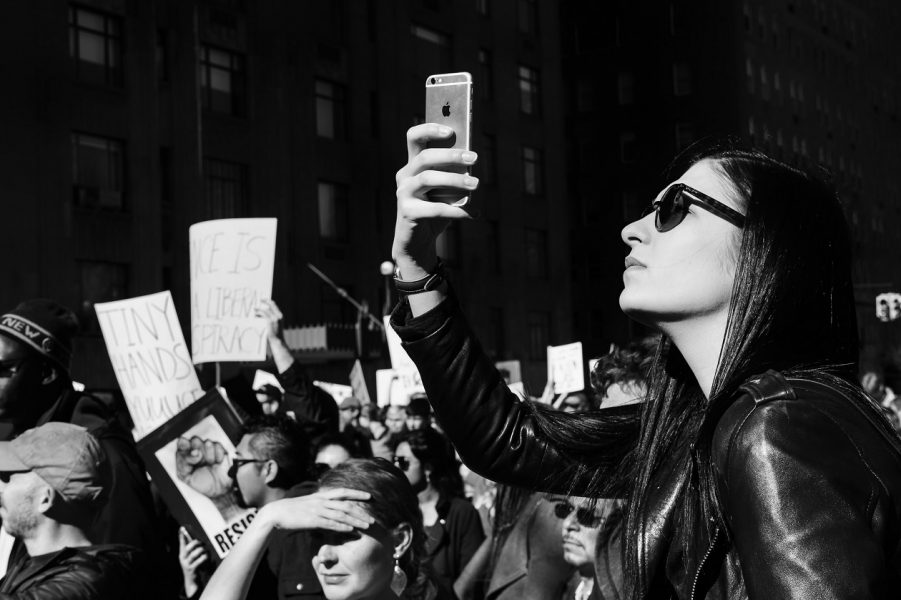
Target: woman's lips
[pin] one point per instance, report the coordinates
(633, 262)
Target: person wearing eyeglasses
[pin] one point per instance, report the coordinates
(756, 467)
(592, 528)
(37, 341)
(452, 524)
(271, 462)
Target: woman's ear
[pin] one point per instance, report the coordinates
(402, 536)
(49, 374)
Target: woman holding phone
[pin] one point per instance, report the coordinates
(756, 467)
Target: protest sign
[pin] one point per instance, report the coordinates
(188, 459)
(401, 363)
(337, 391)
(150, 358)
(510, 370)
(565, 368)
(232, 262)
(358, 383)
(393, 387)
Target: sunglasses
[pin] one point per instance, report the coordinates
(402, 462)
(238, 462)
(584, 516)
(673, 206)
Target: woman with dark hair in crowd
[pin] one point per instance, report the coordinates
(452, 524)
(371, 543)
(756, 467)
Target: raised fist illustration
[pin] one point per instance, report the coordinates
(203, 466)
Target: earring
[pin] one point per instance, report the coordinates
(399, 578)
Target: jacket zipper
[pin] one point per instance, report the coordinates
(694, 585)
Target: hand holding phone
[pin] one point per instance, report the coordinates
(448, 102)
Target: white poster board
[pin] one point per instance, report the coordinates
(261, 378)
(338, 391)
(232, 262)
(150, 358)
(565, 368)
(511, 368)
(404, 367)
(358, 383)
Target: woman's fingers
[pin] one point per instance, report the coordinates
(442, 159)
(344, 494)
(419, 136)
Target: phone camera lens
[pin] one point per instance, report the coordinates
(433, 81)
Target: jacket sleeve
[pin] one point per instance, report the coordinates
(494, 433)
(469, 534)
(799, 500)
(309, 403)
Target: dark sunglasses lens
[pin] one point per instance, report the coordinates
(587, 518)
(563, 509)
(671, 209)
(232, 471)
(402, 463)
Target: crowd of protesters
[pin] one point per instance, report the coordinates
(349, 496)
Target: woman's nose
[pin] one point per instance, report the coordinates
(327, 555)
(637, 231)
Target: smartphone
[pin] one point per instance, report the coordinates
(448, 101)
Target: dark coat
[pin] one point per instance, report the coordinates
(107, 572)
(809, 483)
(310, 405)
(530, 563)
(453, 539)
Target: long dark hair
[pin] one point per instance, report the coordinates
(436, 454)
(392, 502)
(792, 310)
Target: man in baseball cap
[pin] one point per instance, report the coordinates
(52, 483)
(36, 339)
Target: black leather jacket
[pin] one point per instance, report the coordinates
(810, 487)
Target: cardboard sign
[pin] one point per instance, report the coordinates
(337, 391)
(232, 261)
(396, 387)
(188, 459)
(150, 358)
(565, 368)
(510, 370)
(404, 367)
(888, 307)
(358, 383)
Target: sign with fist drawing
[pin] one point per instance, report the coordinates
(189, 459)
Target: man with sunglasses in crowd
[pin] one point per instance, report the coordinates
(36, 388)
(592, 535)
(272, 461)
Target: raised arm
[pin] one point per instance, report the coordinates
(495, 434)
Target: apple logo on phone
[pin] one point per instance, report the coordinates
(445, 110)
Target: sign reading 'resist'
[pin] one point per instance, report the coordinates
(232, 261)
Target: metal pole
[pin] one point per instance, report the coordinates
(364, 310)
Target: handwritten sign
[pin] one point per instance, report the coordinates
(565, 368)
(338, 391)
(358, 383)
(404, 367)
(232, 262)
(149, 357)
(188, 458)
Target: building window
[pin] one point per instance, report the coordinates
(486, 85)
(539, 324)
(225, 189)
(333, 224)
(95, 45)
(527, 16)
(685, 135)
(161, 57)
(529, 99)
(532, 168)
(98, 166)
(222, 81)
(494, 244)
(432, 52)
(626, 88)
(628, 147)
(483, 7)
(681, 79)
(536, 253)
(330, 110)
(100, 282)
(586, 95)
(749, 75)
